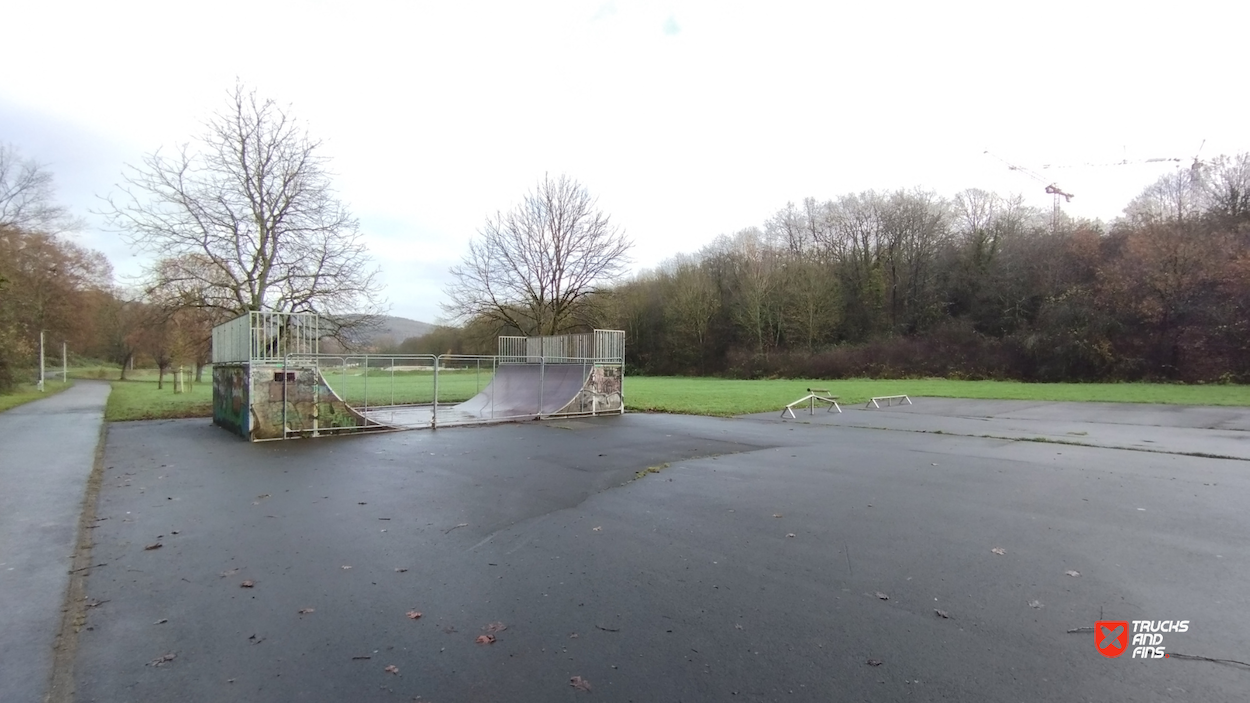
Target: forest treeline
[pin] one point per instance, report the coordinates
(883, 284)
(49, 283)
(909, 283)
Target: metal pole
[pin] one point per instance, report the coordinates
(64, 365)
(40, 361)
(434, 418)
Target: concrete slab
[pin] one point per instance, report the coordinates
(47, 450)
(749, 567)
(1194, 430)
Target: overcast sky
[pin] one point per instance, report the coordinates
(686, 119)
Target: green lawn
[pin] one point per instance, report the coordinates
(27, 392)
(714, 396)
(139, 399)
(399, 387)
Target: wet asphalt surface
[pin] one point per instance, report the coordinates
(46, 453)
(751, 567)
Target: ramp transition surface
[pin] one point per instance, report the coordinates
(516, 391)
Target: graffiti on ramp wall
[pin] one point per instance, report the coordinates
(230, 401)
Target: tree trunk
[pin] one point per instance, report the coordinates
(160, 377)
(199, 372)
(126, 365)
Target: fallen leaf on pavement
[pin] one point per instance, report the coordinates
(346, 568)
(999, 550)
(791, 534)
(154, 545)
(495, 627)
(162, 621)
(247, 584)
(400, 571)
(596, 529)
(305, 611)
(882, 596)
(579, 683)
(572, 635)
(1035, 604)
(1070, 572)
(231, 572)
(941, 613)
(392, 669)
(163, 659)
(414, 615)
(485, 639)
(874, 662)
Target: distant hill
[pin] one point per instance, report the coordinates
(389, 332)
(401, 328)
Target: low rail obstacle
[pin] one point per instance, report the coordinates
(814, 395)
(888, 399)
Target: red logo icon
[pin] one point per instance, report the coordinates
(1111, 636)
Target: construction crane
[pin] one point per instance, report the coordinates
(1052, 189)
(1125, 162)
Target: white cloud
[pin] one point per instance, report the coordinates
(438, 115)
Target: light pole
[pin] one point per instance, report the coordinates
(40, 361)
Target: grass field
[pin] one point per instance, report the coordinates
(400, 387)
(138, 399)
(27, 392)
(714, 396)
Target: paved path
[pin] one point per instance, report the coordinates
(46, 453)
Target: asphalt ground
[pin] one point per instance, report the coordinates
(46, 453)
(1176, 429)
(756, 560)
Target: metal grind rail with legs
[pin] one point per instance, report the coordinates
(887, 399)
(814, 395)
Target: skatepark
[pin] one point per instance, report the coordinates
(944, 550)
(749, 564)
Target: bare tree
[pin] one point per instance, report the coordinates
(246, 219)
(26, 196)
(535, 267)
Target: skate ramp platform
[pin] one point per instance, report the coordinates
(517, 391)
(527, 389)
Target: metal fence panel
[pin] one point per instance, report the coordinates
(601, 346)
(232, 341)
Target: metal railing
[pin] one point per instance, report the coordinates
(266, 337)
(602, 346)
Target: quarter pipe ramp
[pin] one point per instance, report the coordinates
(517, 391)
